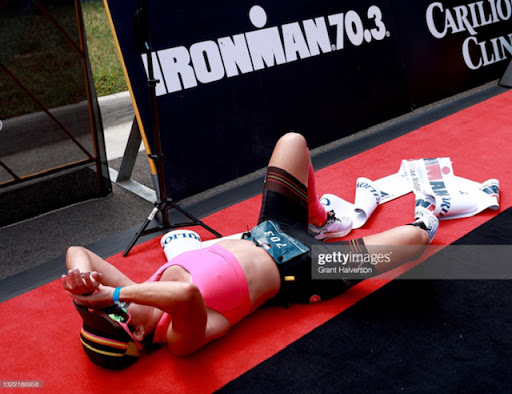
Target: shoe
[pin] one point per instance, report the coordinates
(424, 203)
(333, 228)
(424, 215)
(429, 223)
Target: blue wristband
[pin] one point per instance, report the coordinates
(115, 297)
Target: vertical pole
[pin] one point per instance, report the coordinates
(158, 157)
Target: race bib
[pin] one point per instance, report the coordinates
(275, 242)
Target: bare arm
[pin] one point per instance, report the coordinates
(184, 302)
(87, 270)
(193, 325)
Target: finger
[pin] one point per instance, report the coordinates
(71, 280)
(91, 297)
(65, 283)
(82, 300)
(97, 276)
(86, 276)
(77, 282)
(74, 279)
(78, 297)
(91, 301)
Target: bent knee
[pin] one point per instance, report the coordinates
(408, 235)
(293, 137)
(417, 236)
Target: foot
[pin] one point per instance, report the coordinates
(333, 228)
(424, 203)
(424, 215)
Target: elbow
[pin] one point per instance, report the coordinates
(74, 249)
(73, 253)
(190, 294)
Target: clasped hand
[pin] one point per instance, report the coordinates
(81, 283)
(86, 289)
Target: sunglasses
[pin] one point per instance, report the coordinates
(123, 317)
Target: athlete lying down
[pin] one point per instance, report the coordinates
(199, 295)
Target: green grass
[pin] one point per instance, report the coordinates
(106, 66)
(43, 61)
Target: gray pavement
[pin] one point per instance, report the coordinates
(30, 243)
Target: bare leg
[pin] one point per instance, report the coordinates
(292, 155)
(401, 244)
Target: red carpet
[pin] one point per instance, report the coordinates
(39, 335)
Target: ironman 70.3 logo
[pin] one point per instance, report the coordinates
(226, 57)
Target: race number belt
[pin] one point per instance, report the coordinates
(275, 242)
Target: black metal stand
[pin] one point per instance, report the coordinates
(163, 203)
(506, 79)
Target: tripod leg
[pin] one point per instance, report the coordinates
(141, 230)
(195, 220)
(218, 235)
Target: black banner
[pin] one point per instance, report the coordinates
(234, 76)
(451, 46)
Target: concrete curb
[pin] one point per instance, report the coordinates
(116, 109)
